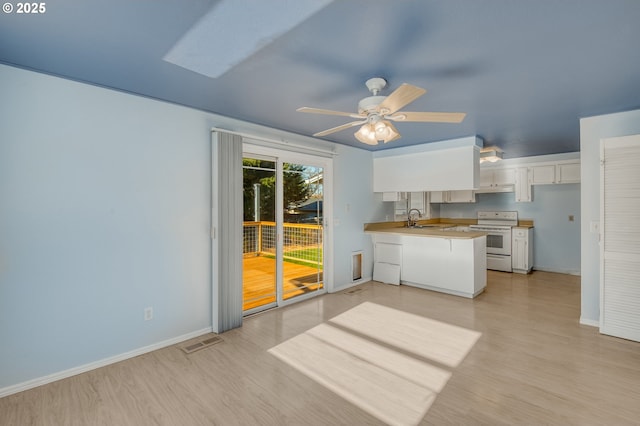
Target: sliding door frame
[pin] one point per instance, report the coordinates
(284, 156)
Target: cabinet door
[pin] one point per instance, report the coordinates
(523, 187)
(438, 196)
(568, 173)
(388, 253)
(486, 178)
(543, 174)
(518, 253)
(521, 255)
(504, 177)
(462, 196)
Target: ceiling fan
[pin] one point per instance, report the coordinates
(376, 113)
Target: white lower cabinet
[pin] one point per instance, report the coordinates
(388, 261)
(450, 265)
(522, 250)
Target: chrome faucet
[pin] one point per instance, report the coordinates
(410, 221)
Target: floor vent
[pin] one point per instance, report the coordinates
(192, 347)
(354, 291)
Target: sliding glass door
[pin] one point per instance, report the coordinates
(302, 229)
(284, 231)
(259, 232)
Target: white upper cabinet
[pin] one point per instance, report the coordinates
(394, 196)
(543, 174)
(461, 196)
(497, 180)
(561, 172)
(522, 186)
(434, 170)
(568, 172)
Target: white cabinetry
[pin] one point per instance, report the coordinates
(434, 170)
(522, 250)
(388, 261)
(461, 196)
(543, 174)
(450, 265)
(497, 180)
(524, 176)
(523, 187)
(564, 172)
(568, 173)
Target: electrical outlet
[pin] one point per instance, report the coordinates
(148, 313)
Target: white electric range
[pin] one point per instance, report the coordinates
(497, 225)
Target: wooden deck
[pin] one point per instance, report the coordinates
(259, 280)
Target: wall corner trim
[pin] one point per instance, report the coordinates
(589, 322)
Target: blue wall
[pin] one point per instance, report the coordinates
(105, 201)
(105, 207)
(556, 239)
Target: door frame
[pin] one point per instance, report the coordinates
(283, 156)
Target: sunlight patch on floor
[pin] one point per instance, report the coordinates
(385, 373)
(441, 342)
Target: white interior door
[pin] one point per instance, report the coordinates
(620, 237)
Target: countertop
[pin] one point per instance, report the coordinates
(433, 228)
(429, 231)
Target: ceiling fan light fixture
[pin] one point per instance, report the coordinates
(490, 155)
(367, 134)
(382, 131)
(376, 113)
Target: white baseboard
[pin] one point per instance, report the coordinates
(590, 322)
(29, 384)
(557, 271)
(349, 285)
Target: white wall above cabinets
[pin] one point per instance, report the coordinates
(437, 166)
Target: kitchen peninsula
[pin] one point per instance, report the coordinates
(435, 257)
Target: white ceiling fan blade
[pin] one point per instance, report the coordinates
(330, 112)
(403, 95)
(337, 129)
(428, 117)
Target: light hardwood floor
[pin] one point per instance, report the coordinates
(258, 280)
(533, 364)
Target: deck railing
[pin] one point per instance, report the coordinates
(301, 242)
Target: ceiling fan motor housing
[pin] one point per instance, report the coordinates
(370, 104)
(375, 85)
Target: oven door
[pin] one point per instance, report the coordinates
(498, 240)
